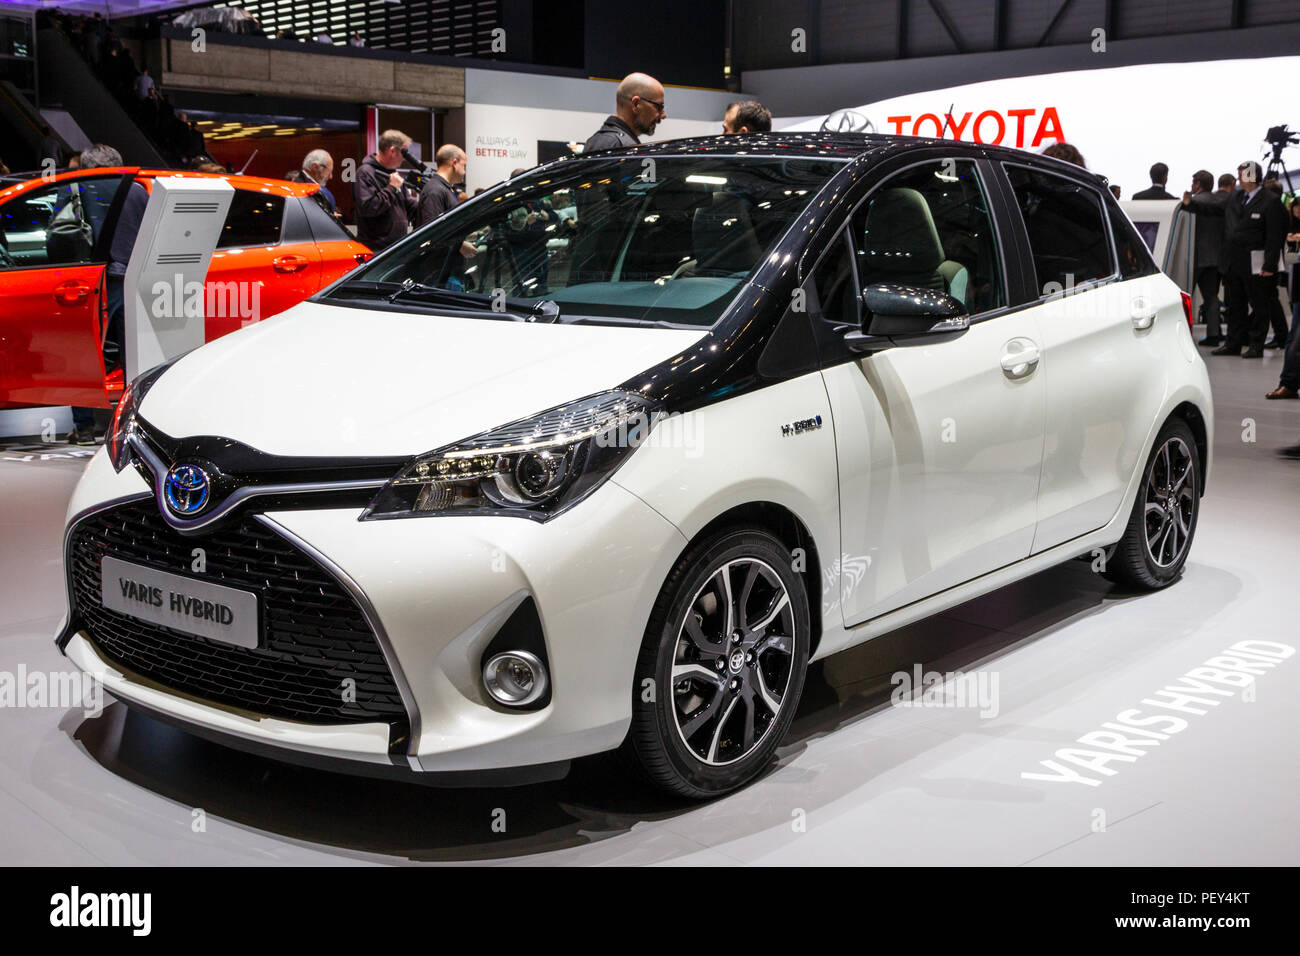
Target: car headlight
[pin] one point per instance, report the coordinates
(536, 467)
(123, 424)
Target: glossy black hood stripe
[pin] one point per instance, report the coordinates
(253, 466)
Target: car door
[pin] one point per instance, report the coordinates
(1100, 360)
(939, 445)
(339, 252)
(253, 274)
(51, 291)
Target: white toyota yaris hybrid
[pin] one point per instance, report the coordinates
(604, 457)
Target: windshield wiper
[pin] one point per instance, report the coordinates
(527, 310)
(638, 323)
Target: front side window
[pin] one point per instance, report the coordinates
(642, 239)
(929, 227)
(56, 225)
(254, 219)
(1066, 228)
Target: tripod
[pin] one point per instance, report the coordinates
(1277, 168)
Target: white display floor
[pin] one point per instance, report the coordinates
(859, 780)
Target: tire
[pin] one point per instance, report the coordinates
(1160, 529)
(720, 716)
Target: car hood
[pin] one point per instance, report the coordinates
(331, 380)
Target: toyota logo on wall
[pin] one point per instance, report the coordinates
(186, 489)
(847, 121)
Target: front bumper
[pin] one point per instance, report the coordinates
(437, 590)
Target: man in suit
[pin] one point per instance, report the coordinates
(1254, 229)
(1159, 176)
(1209, 249)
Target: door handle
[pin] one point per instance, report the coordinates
(1143, 314)
(71, 292)
(1020, 358)
(289, 263)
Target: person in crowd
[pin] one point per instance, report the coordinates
(638, 109)
(1115, 191)
(1276, 315)
(1288, 384)
(1159, 176)
(119, 254)
(528, 228)
(1209, 251)
(193, 144)
(90, 40)
(355, 40)
(1254, 229)
(439, 193)
(317, 167)
(383, 206)
(324, 37)
(746, 116)
(143, 85)
(1066, 152)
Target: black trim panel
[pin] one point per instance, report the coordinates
(398, 769)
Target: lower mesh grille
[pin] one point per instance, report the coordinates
(313, 636)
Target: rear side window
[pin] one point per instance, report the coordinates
(324, 227)
(1132, 247)
(1066, 226)
(255, 219)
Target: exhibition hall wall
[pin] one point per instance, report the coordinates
(1194, 116)
(507, 115)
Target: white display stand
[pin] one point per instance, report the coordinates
(173, 249)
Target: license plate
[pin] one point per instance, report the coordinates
(184, 604)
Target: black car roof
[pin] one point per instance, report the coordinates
(841, 145)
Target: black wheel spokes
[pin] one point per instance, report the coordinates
(1170, 503)
(733, 661)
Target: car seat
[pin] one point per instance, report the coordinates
(901, 244)
(723, 236)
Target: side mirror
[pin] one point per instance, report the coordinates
(901, 315)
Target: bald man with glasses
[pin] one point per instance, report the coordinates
(639, 106)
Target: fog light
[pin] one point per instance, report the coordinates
(515, 678)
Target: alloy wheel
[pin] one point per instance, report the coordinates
(733, 660)
(1170, 502)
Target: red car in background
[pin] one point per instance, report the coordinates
(52, 309)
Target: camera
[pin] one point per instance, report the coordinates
(417, 174)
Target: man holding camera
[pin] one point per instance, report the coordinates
(384, 207)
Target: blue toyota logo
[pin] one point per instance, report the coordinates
(186, 489)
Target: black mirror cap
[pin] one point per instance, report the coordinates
(900, 315)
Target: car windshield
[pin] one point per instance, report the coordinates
(633, 239)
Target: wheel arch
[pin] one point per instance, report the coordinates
(1191, 414)
(791, 531)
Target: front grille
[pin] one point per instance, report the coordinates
(313, 635)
